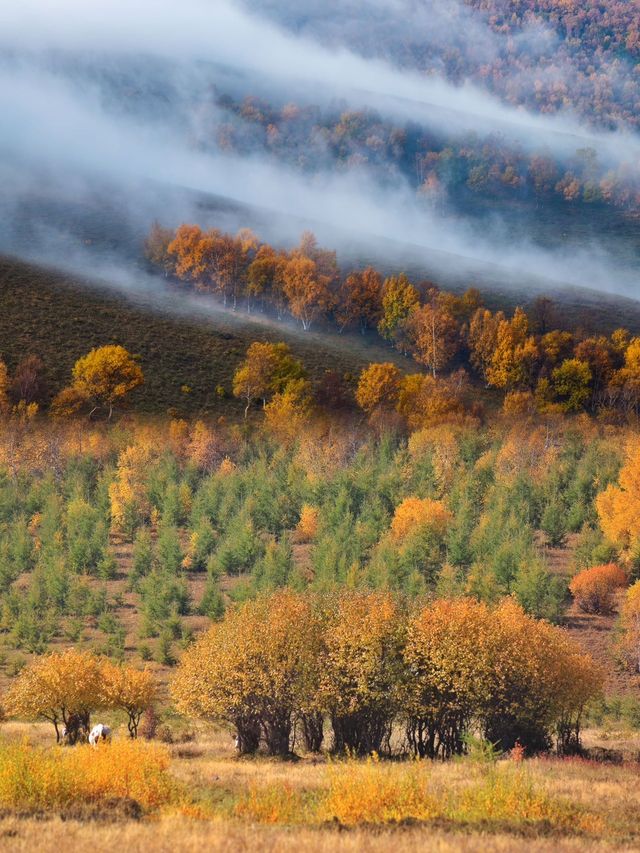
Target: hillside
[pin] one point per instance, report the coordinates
(179, 343)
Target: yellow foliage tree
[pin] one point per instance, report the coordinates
(289, 412)
(514, 355)
(265, 371)
(426, 401)
(415, 514)
(101, 378)
(62, 688)
(131, 690)
(447, 652)
(619, 506)
(378, 387)
(361, 680)
(254, 670)
(307, 527)
(483, 339)
(127, 492)
(399, 299)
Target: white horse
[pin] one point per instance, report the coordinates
(99, 732)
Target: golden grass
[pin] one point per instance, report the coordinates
(210, 798)
(35, 779)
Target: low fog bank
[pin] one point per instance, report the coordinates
(85, 173)
(226, 33)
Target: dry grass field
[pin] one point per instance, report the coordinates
(224, 803)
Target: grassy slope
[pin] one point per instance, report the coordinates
(57, 318)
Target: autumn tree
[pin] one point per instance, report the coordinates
(129, 689)
(447, 653)
(618, 506)
(399, 299)
(433, 337)
(359, 300)
(424, 400)
(156, 248)
(289, 411)
(62, 688)
(188, 253)
(306, 289)
(360, 680)
(266, 370)
(624, 385)
(461, 308)
(128, 497)
(539, 683)
(483, 339)
(254, 670)
(515, 355)
(414, 514)
(598, 353)
(103, 378)
(572, 384)
(265, 278)
(556, 346)
(378, 387)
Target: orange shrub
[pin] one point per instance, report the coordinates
(414, 514)
(593, 588)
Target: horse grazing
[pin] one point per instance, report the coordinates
(99, 732)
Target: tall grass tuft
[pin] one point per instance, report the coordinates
(371, 792)
(35, 779)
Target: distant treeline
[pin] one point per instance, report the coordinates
(538, 366)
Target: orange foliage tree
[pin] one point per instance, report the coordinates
(424, 400)
(414, 514)
(359, 300)
(433, 337)
(378, 387)
(307, 290)
(594, 588)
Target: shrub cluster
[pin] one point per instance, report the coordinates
(368, 662)
(594, 588)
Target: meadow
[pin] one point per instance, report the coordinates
(203, 794)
